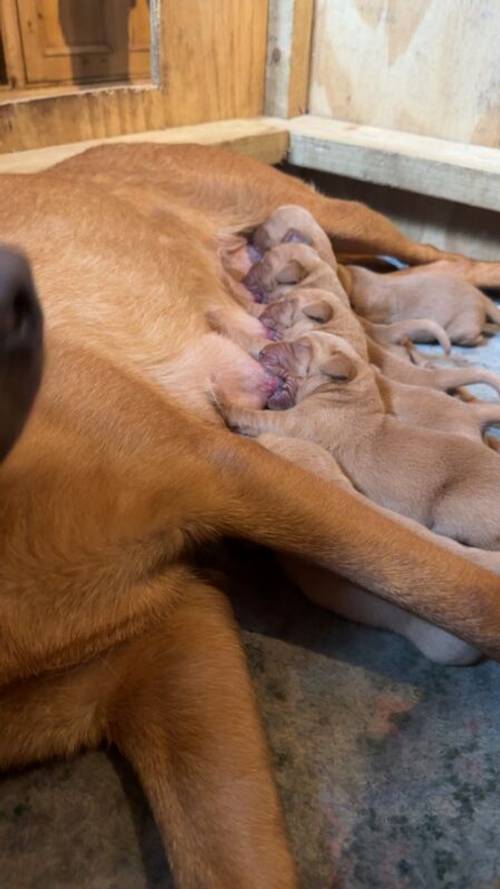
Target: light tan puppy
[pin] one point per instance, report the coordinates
(431, 409)
(352, 601)
(429, 292)
(294, 224)
(306, 309)
(286, 265)
(445, 482)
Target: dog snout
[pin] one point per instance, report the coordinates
(21, 345)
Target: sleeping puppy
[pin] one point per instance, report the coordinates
(443, 481)
(286, 265)
(294, 224)
(355, 603)
(428, 292)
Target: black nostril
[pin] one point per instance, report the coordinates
(22, 308)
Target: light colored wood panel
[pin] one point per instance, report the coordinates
(214, 61)
(466, 173)
(447, 225)
(288, 56)
(70, 41)
(430, 67)
(11, 40)
(264, 139)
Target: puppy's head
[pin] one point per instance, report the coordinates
(294, 224)
(286, 264)
(317, 362)
(299, 313)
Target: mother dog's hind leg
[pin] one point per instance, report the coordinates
(184, 715)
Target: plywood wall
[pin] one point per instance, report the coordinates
(430, 67)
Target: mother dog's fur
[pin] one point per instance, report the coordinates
(106, 632)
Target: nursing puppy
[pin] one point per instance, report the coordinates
(294, 224)
(429, 292)
(445, 482)
(351, 601)
(286, 265)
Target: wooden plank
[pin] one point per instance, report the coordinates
(288, 57)
(264, 139)
(214, 60)
(429, 67)
(447, 225)
(466, 173)
(11, 39)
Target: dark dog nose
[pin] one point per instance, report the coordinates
(21, 345)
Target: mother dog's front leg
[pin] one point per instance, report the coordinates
(185, 716)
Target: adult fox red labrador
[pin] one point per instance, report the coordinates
(124, 468)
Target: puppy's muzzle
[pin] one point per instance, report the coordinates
(21, 346)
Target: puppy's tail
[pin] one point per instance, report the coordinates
(492, 310)
(487, 412)
(422, 330)
(413, 329)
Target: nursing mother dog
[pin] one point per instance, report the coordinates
(125, 469)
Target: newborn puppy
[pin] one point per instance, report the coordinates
(446, 482)
(307, 309)
(426, 292)
(294, 224)
(286, 265)
(355, 603)
(430, 409)
(445, 378)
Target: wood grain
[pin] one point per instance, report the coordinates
(430, 67)
(93, 41)
(214, 60)
(288, 57)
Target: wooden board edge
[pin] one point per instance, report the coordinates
(319, 146)
(263, 139)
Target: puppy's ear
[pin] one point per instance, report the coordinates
(320, 310)
(291, 273)
(294, 236)
(339, 367)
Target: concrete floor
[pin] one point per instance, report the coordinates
(387, 766)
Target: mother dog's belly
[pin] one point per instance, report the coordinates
(213, 365)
